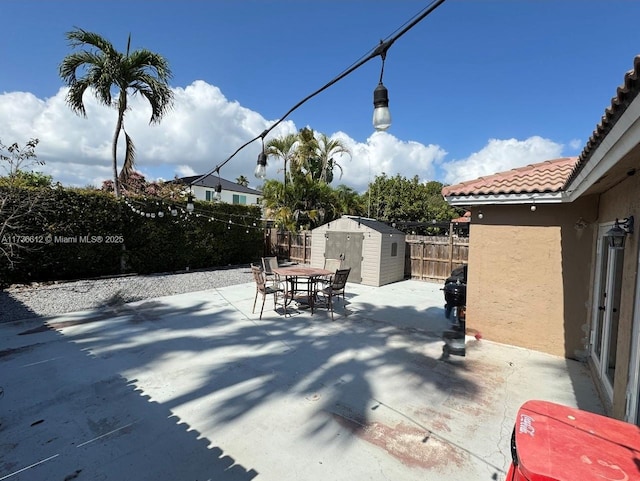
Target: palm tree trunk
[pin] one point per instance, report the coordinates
(114, 152)
(122, 106)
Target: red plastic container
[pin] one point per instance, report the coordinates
(552, 442)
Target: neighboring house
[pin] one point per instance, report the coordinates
(231, 192)
(541, 272)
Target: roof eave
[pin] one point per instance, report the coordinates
(507, 199)
(615, 144)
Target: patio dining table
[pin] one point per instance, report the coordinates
(300, 282)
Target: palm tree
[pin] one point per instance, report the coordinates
(326, 151)
(349, 201)
(242, 180)
(285, 149)
(110, 73)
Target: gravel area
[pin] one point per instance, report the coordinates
(47, 299)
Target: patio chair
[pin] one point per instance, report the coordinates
(330, 265)
(265, 290)
(335, 288)
(268, 264)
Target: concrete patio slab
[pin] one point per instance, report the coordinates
(196, 387)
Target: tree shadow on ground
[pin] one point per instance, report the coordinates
(207, 351)
(66, 415)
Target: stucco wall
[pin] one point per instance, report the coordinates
(619, 202)
(529, 274)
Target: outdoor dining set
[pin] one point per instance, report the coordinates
(309, 287)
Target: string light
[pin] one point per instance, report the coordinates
(382, 117)
(244, 221)
(261, 168)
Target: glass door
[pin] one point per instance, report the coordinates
(632, 414)
(606, 310)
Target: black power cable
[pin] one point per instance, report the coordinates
(380, 50)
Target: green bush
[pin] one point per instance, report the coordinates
(61, 234)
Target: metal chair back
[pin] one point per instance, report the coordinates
(332, 264)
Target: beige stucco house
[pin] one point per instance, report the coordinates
(541, 272)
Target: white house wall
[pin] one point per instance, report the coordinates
(200, 193)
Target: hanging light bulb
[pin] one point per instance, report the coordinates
(190, 205)
(261, 168)
(174, 211)
(160, 213)
(218, 194)
(381, 114)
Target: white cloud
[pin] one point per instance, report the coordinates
(204, 128)
(576, 144)
(384, 153)
(501, 155)
(199, 133)
(185, 171)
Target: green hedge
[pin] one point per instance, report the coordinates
(60, 234)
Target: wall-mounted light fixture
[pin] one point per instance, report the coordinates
(480, 215)
(618, 233)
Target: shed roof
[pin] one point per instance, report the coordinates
(373, 224)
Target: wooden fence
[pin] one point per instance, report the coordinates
(427, 258)
(432, 258)
(287, 245)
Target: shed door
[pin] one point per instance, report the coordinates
(347, 245)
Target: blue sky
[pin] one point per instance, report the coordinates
(478, 86)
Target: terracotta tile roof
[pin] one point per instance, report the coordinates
(625, 94)
(547, 176)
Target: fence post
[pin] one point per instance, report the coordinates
(304, 247)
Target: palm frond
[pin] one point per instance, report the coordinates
(75, 95)
(79, 37)
(129, 158)
(158, 94)
(145, 61)
(71, 63)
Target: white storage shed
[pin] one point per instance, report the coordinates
(373, 250)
